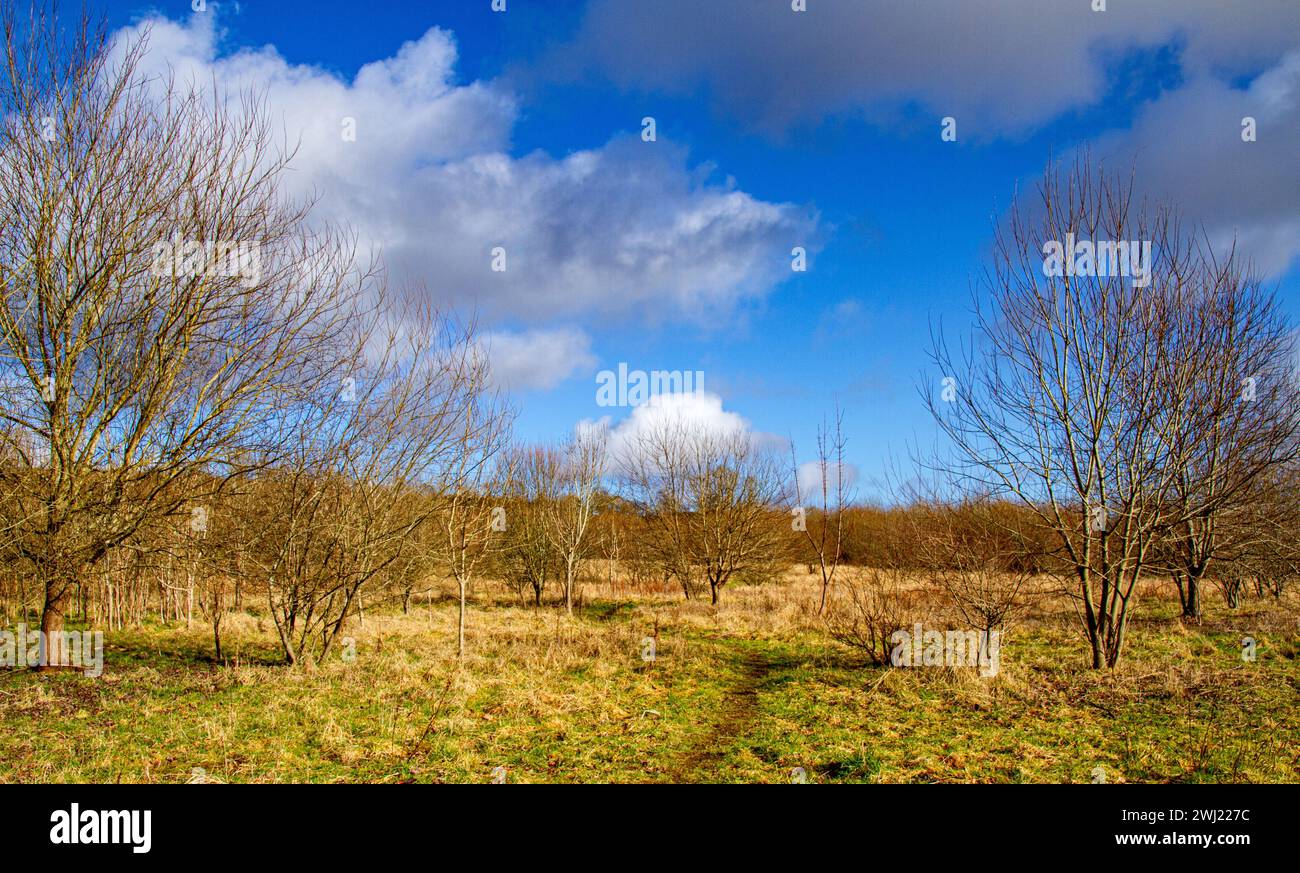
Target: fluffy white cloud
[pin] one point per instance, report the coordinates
(630, 228)
(694, 411)
(537, 359)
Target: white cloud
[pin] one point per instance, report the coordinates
(694, 412)
(810, 481)
(626, 229)
(537, 359)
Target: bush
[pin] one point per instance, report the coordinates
(868, 609)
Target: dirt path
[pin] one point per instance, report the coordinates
(735, 717)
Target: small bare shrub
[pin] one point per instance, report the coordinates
(868, 610)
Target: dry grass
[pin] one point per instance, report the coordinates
(745, 691)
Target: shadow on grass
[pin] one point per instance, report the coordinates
(130, 649)
(608, 610)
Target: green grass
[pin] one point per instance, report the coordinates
(553, 699)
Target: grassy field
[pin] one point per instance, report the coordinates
(750, 691)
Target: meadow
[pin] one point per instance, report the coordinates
(751, 690)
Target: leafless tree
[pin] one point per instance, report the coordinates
(610, 535)
(1242, 422)
(1264, 539)
(1076, 395)
(471, 518)
(366, 470)
(973, 551)
(528, 560)
(582, 468)
(824, 531)
(161, 300)
(711, 502)
(872, 606)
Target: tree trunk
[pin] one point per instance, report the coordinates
(1192, 605)
(460, 631)
(568, 587)
(1232, 592)
(58, 600)
(1094, 636)
(1182, 592)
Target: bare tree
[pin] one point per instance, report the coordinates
(974, 552)
(1263, 535)
(470, 517)
(875, 604)
(529, 561)
(1242, 421)
(825, 533)
(1076, 396)
(710, 500)
(364, 473)
(610, 535)
(161, 300)
(582, 467)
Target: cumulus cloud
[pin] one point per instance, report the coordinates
(537, 358)
(999, 67)
(627, 229)
(699, 412)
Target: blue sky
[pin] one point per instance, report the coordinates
(775, 129)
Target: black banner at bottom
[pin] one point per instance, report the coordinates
(141, 824)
